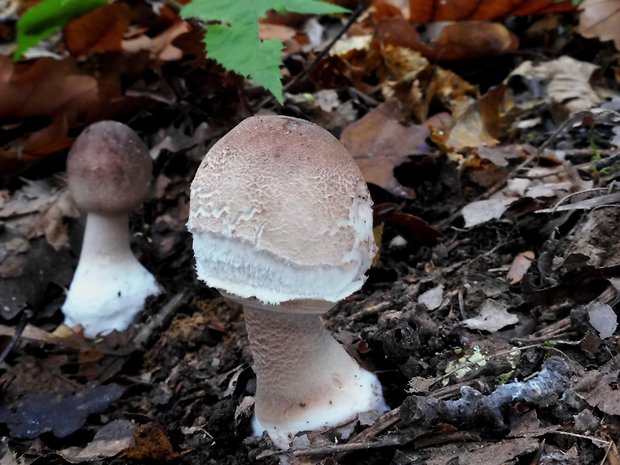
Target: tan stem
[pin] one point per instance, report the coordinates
(299, 366)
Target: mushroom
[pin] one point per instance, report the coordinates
(281, 221)
(109, 173)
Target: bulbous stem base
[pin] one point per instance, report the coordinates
(305, 378)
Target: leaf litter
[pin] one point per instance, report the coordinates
(497, 218)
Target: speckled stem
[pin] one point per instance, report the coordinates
(300, 367)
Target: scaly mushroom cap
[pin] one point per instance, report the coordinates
(109, 169)
(279, 211)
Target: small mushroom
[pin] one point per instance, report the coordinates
(109, 172)
(282, 222)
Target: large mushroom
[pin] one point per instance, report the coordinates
(109, 171)
(282, 222)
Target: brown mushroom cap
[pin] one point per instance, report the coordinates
(109, 169)
(288, 192)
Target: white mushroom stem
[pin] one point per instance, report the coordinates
(305, 378)
(107, 267)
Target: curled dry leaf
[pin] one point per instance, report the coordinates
(426, 11)
(493, 317)
(599, 19)
(567, 82)
(468, 40)
(519, 267)
(379, 143)
(101, 30)
(160, 47)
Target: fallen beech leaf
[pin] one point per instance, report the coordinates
(109, 441)
(379, 143)
(160, 47)
(603, 319)
(605, 395)
(45, 87)
(519, 267)
(482, 122)
(415, 230)
(493, 317)
(426, 11)
(432, 298)
(101, 30)
(567, 82)
(481, 211)
(599, 19)
(468, 40)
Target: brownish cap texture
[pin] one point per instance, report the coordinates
(289, 191)
(109, 169)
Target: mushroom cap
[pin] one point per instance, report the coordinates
(279, 211)
(109, 169)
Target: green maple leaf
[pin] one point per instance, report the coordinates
(234, 41)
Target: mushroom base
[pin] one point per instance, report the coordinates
(110, 285)
(305, 379)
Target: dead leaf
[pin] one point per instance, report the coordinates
(566, 80)
(493, 317)
(413, 229)
(481, 211)
(603, 319)
(109, 441)
(468, 40)
(482, 123)
(427, 11)
(379, 143)
(599, 19)
(160, 47)
(605, 394)
(100, 30)
(38, 413)
(519, 267)
(432, 298)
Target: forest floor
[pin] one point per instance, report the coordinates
(497, 282)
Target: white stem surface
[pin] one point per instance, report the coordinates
(109, 286)
(305, 378)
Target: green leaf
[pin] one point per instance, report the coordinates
(48, 17)
(235, 43)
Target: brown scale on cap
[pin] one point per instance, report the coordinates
(109, 169)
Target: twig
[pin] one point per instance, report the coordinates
(159, 319)
(385, 441)
(26, 315)
(302, 75)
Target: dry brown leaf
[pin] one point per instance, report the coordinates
(414, 229)
(160, 47)
(481, 123)
(468, 40)
(45, 87)
(600, 19)
(427, 11)
(379, 143)
(519, 267)
(57, 99)
(567, 82)
(101, 30)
